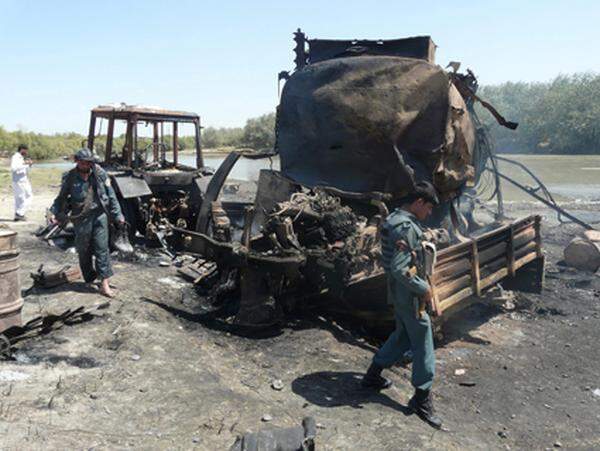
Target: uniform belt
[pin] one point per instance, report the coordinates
(95, 211)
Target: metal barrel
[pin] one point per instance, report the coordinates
(11, 302)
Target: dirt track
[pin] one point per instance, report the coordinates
(154, 372)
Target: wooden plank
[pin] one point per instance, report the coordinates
(524, 232)
(451, 271)
(493, 265)
(453, 286)
(500, 274)
(452, 251)
(454, 299)
(435, 300)
(451, 310)
(524, 260)
(520, 237)
(482, 239)
(522, 251)
(510, 253)
(512, 246)
(455, 296)
(475, 276)
(493, 252)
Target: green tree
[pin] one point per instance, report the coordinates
(561, 116)
(259, 133)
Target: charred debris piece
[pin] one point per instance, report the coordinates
(45, 324)
(311, 240)
(49, 279)
(300, 438)
(317, 247)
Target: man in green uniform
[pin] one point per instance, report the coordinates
(401, 249)
(86, 193)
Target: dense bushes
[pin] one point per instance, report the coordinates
(561, 116)
(258, 133)
(40, 146)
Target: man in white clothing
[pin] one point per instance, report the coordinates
(19, 167)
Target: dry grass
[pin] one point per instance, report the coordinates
(39, 177)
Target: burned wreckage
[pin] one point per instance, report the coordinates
(359, 122)
(155, 191)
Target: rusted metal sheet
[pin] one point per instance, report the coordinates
(418, 47)
(123, 111)
(213, 190)
(131, 187)
(199, 158)
(175, 144)
(11, 302)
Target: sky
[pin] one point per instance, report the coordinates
(220, 59)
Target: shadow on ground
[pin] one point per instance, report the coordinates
(74, 287)
(341, 388)
(216, 320)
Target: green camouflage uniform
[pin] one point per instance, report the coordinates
(401, 236)
(89, 201)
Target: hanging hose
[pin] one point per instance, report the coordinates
(484, 154)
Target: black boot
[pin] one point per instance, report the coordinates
(373, 378)
(422, 404)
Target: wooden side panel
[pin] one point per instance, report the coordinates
(467, 269)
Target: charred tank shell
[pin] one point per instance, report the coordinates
(339, 119)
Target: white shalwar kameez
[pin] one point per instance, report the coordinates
(20, 184)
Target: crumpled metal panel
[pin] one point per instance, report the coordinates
(420, 47)
(130, 187)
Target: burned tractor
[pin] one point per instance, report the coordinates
(154, 189)
(358, 124)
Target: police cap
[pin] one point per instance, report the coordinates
(423, 190)
(85, 155)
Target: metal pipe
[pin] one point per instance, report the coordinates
(546, 202)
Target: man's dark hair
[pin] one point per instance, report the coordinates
(22, 147)
(423, 190)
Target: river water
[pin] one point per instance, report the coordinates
(245, 168)
(568, 178)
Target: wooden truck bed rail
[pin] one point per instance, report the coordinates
(468, 268)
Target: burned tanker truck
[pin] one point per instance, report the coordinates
(358, 124)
